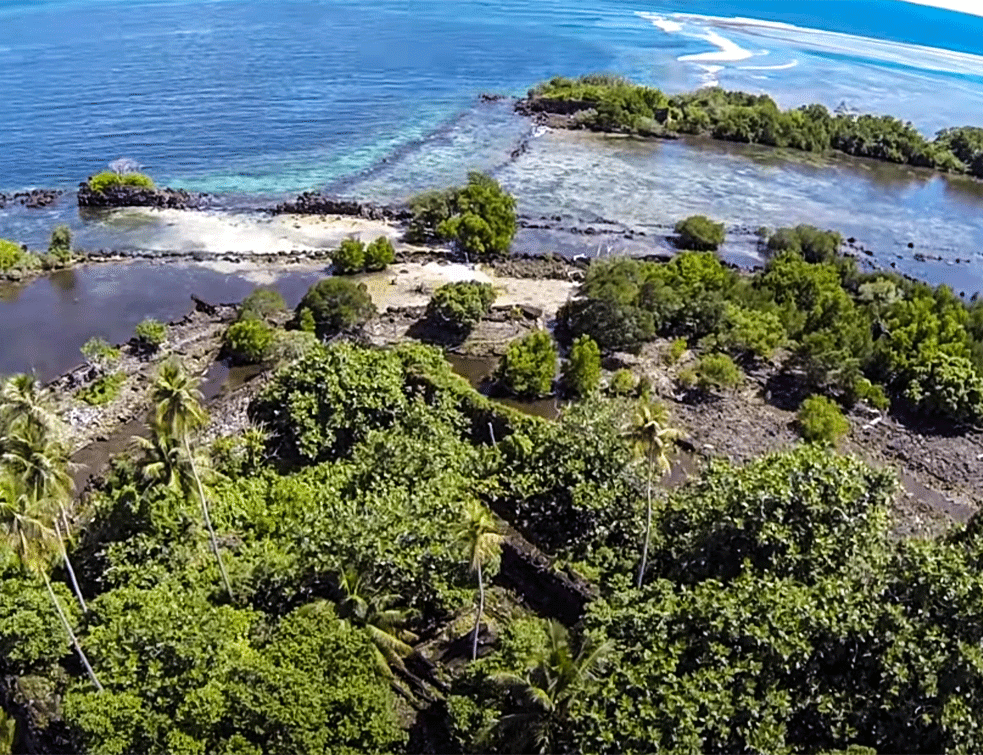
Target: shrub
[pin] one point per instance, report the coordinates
(349, 257)
(947, 385)
(714, 371)
(290, 345)
(261, 303)
(820, 420)
(582, 372)
(462, 304)
(699, 233)
(60, 246)
(99, 353)
(870, 393)
(336, 304)
(306, 321)
(11, 254)
(247, 341)
(529, 365)
(109, 179)
(150, 335)
(814, 245)
(623, 382)
(748, 333)
(675, 352)
(379, 254)
(429, 209)
(482, 221)
(103, 390)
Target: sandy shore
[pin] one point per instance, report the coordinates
(220, 232)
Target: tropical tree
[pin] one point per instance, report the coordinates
(375, 613)
(547, 691)
(22, 400)
(652, 438)
(24, 529)
(481, 538)
(179, 412)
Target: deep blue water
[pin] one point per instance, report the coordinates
(251, 96)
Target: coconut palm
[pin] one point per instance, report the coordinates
(547, 691)
(178, 411)
(652, 438)
(23, 401)
(384, 624)
(38, 459)
(482, 540)
(23, 527)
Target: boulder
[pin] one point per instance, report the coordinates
(135, 196)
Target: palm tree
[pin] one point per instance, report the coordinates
(178, 409)
(548, 690)
(22, 527)
(385, 625)
(652, 437)
(482, 539)
(39, 460)
(22, 400)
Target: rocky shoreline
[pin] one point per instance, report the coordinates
(132, 196)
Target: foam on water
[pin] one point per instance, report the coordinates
(969, 7)
(728, 51)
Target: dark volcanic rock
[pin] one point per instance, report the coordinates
(315, 203)
(33, 199)
(134, 196)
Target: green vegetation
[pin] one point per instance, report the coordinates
(606, 103)
(270, 596)
(379, 254)
(582, 371)
(461, 305)
(699, 233)
(59, 247)
(623, 382)
(261, 303)
(335, 304)
(349, 257)
(874, 337)
(821, 421)
(478, 218)
(529, 365)
(103, 390)
(108, 179)
(11, 255)
(713, 372)
(99, 353)
(248, 341)
(150, 335)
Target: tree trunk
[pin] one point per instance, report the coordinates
(208, 519)
(648, 527)
(71, 571)
(71, 634)
(481, 610)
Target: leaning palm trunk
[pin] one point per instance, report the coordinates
(71, 634)
(208, 519)
(477, 619)
(69, 569)
(648, 527)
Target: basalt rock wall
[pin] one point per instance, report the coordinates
(315, 203)
(135, 196)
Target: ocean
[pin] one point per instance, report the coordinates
(253, 97)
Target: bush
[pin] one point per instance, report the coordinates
(305, 321)
(429, 210)
(747, 333)
(699, 233)
(623, 382)
(290, 345)
(582, 372)
(102, 391)
(482, 222)
(109, 179)
(261, 303)
(11, 255)
(99, 353)
(947, 385)
(820, 420)
(247, 341)
(336, 304)
(462, 304)
(349, 257)
(379, 254)
(150, 335)
(529, 365)
(713, 372)
(675, 352)
(814, 245)
(60, 246)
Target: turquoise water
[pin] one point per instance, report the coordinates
(249, 96)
